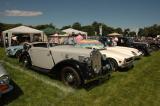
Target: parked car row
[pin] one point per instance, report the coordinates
(75, 63)
(144, 47)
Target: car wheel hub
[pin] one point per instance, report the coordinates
(70, 78)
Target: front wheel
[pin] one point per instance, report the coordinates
(70, 77)
(113, 64)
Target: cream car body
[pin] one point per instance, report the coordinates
(120, 59)
(41, 57)
(75, 66)
(126, 50)
(123, 60)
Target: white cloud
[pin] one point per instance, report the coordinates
(22, 13)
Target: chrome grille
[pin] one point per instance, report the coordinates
(96, 61)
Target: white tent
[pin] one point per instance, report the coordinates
(22, 30)
(114, 34)
(71, 31)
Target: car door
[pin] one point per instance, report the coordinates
(41, 56)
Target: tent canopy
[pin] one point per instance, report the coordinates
(114, 34)
(71, 31)
(22, 30)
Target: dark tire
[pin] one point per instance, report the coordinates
(25, 61)
(70, 77)
(18, 53)
(113, 64)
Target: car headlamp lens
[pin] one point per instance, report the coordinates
(4, 79)
(104, 57)
(84, 59)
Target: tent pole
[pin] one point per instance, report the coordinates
(4, 40)
(9, 38)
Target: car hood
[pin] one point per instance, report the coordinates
(125, 48)
(131, 49)
(110, 53)
(15, 47)
(71, 49)
(2, 70)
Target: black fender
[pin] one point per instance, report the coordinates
(26, 54)
(81, 68)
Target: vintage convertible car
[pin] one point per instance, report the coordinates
(4, 81)
(14, 50)
(74, 66)
(117, 59)
(126, 50)
(118, 49)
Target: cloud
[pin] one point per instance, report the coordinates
(21, 13)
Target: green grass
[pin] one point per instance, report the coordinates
(139, 86)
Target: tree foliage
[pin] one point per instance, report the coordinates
(77, 26)
(41, 27)
(93, 29)
(152, 31)
(66, 27)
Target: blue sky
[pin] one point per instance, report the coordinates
(131, 14)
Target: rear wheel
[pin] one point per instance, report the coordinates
(17, 55)
(25, 61)
(70, 77)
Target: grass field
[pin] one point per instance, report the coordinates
(139, 86)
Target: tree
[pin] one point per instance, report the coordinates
(40, 27)
(107, 30)
(151, 31)
(132, 33)
(89, 29)
(95, 25)
(141, 32)
(66, 27)
(118, 30)
(77, 26)
(126, 32)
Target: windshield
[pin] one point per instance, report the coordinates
(69, 41)
(90, 44)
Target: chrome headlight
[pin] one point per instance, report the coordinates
(84, 59)
(4, 79)
(104, 57)
(96, 61)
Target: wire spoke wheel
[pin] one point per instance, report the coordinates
(17, 55)
(25, 61)
(70, 77)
